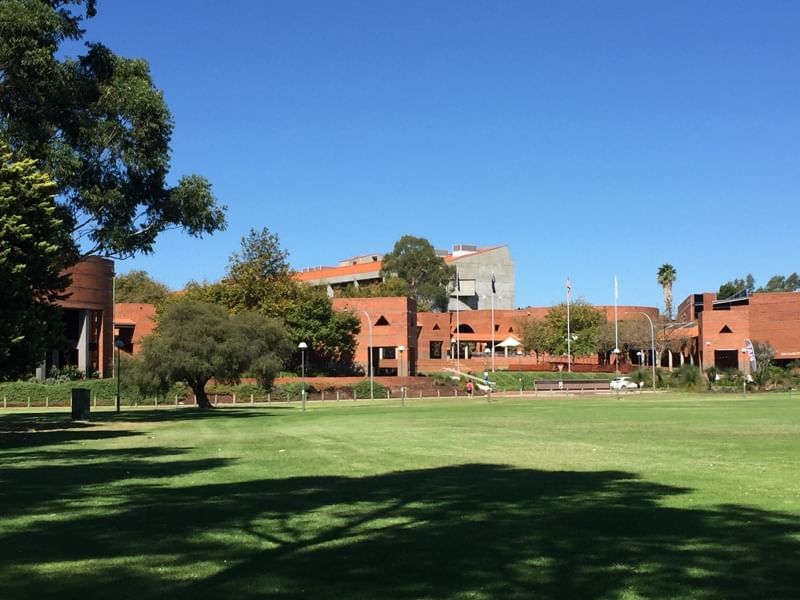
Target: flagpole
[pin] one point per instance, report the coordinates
(569, 337)
(492, 332)
(492, 323)
(616, 325)
(458, 325)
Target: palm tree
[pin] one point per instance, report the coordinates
(666, 277)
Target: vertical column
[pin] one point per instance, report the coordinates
(85, 336)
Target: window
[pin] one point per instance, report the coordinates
(381, 321)
(436, 350)
(388, 352)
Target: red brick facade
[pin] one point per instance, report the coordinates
(89, 302)
(133, 322)
(723, 326)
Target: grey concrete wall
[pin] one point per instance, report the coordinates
(476, 269)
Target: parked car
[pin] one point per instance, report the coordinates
(623, 383)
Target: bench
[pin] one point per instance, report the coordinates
(571, 385)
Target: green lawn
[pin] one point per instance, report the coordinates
(638, 497)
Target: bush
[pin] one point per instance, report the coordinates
(293, 390)
(688, 377)
(17, 393)
(640, 377)
(361, 390)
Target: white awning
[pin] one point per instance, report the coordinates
(509, 342)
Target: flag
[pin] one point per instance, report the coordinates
(569, 287)
(494, 288)
(751, 353)
(458, 281)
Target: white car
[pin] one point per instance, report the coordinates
(623, 383)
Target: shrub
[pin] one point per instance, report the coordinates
(361, 390)
(640, 377)
(294, 390)
(688, 377)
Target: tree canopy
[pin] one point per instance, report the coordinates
(260, 279)
(98, 126)
(34, 250)
(776, 283)
(138, 287)
(736, 286)
(666, 277)
(194, 342)
(425, 274)
(549, 334)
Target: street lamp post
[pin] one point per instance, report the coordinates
(652, 346)
(370, 365)
(400, 350)
(119, 343)
(303, 346)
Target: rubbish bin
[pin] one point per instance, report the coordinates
(80, 404)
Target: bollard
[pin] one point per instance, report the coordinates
(80, 404)
(29, 401)
(5, 401)
(156, 401)
(337, 395)
(234, 398)
(251, 398)
(388, 394)
(176, 399)
(438, 393)
(47, 401)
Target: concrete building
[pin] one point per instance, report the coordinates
(476, 266)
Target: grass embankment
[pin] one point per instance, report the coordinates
(643, 497)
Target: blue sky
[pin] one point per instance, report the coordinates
(593, 138)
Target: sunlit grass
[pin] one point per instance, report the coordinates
(667, 495)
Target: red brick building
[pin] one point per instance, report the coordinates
(133, 322)
(88, 320)
(723, 326)
(387, 324)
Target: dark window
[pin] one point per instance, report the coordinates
(382, 321)
(436, 350)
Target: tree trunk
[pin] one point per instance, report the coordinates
(199, 389)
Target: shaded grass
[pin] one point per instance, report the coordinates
(641, 497)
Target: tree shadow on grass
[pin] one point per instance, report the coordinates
(44, 428)
(190, 413)
(482, 531)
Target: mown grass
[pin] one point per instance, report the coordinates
(664, 496)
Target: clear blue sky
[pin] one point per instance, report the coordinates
(593, 138)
